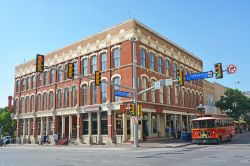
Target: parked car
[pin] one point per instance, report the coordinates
(6, 139)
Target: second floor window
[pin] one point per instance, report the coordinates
(45, 75)
(66, 98)
(23, 84)
(104, 92)
(175, 70)
(167, 67)
(85, 66)
(52, 76)
(38, 102)
(17, 85)
(59, 99)
(116, 55)
(45, 101)
(51, 100)
(59, 74)
(143, 57)
(152, 61)
(104, 61)
(27, 104)
(74, 96)
(40, 78)
(76, 69)
(22, 106)
(32, 103)
(93, 64)
(93, 93)
(28, 83)
(117, 81)
(84, 94)
(153, 92)
(144, 86)
(159, 64)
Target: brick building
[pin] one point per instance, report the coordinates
(48, 102)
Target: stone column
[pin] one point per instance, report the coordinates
(24, 129)
(70, 126)
(124, 133)
(41, 131)
(158, 125)
(28, 129)
(63, 127)
(54, 125)
(99, 128)
(34, 130)
(149, 124)
(78, 140)
(47, 126)
(90, 127)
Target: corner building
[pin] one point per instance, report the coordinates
(47, 103)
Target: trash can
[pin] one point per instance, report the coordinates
(185, 136)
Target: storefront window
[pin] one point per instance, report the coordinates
(104, 123)
(94, 123)
(85, 124)
(154, 124)
(119, 126)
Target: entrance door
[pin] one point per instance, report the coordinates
(144, 128)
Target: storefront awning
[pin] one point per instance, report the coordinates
(242, 121)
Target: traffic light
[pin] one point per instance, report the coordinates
(39, 63)
(139, 110)
(180, 77)
(97, 78)
(218, 71)
(132, 109)
(70, 70)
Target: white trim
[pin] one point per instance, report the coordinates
(44, 92)
(116, 75)
(144, 47)
(51, 90)
(91, 82)
(115, 46)
(161, 57)
(144, 75)
(84, 57)
(38, 93)
(28, 95)
(103, 51)
(93, 54)
(84, 82)
(150, 50)
(153, 78)
(104, 78)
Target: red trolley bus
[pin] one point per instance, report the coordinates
(212, 130)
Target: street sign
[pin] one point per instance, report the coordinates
(198, 76)
(168, 82)
(122, 94)
(231, 69)
(157, 85)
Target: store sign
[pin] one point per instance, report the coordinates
(92, 108)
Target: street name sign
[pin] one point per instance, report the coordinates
(122, 94)
(157, 85)
(198, 76)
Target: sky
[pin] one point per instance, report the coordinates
(213, 30)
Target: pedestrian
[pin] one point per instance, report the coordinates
(173, 133)
(55, 138)
(179, 133)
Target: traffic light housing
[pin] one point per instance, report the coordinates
(218, 71)
(70, 70)
(132, 109)
(98, 78)
(39, 63)
(180, 77)
(139, 110)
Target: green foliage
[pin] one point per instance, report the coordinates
(7, 124)
(235, 101)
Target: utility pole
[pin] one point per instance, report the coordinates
(135, 93)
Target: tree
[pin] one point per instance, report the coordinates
(6, 123)
(235, 101)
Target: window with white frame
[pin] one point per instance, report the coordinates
(152, 61)
(183, 97)
(167, 67)
(84, 94)
(59, 74)
(38, 98)
(188, 98)
(75, 65)
(74, 95)
(143, 57)
(17, 85)
(116, 55)
(93, 64)
(32, 100)
(44, 101)
(161, 95)
(23, 84)
(46, 81)
(117, 81)
(51, 100)
(22, 105)
(28, 83)
(159, 64)
(33, 80)
(175, 70)
(85, 66)
(66, 97)
(16, 106)
(40, 79)
(153, 91)
(144, 86)
(176, 92)
(104, 92)
(52, 76)
(168, 95)
(27, 104)
(59, 99)
(93, 93)
(104, 61)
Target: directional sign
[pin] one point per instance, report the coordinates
(231, 69)
(122, 94)
(168, 82)
(198, 76)
(157, 85)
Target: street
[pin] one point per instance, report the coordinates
(232, 153)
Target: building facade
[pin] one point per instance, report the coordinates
(47, 103)
(209, 97)
(219, 92)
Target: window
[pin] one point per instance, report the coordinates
(144, 86)
(85, 124)
(93, 64)
(28, 83)
(152, 61)
(33, 84)
(59, 74)
(104, 123)
(159, 64)
(116, 55)
(104, 92)
(51, 100)
(45, 75)
(167, 67)
(27, 104)
(193, 100)
(94, 123)
(32, 103)
(117, 81)
(22, 105)
(38, 102)
(119, 124)
(52, 73)
(76, 69)
(104, 61)
(168, 95)
(183, 97)
(66, 97)
(85, 66)
(188, 98)
(59, 99)
(23, 84)
(84, 94)
(154, 124)
(44, 101)
(74, 96)
(16, 105)
(93, 93)
(176, 92)
(143, 57)
(153, 91)
(175, 70)
(161, 95)
(17, 85)
(40, 78)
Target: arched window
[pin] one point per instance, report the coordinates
(143, 57)
(116, 56)
(85, 66)
(152, 61)
(93, 64)
(33, 84)
(46, 81)
(59, 74)
(45, 101)
(22, 105)
(17, 85)
(23, 84)
(104, 61)
(159, 64)
(175, 70)
(52, 75)
(51, 100)
(188, 98)
(167, 67)
(117, 81)
(153, 91)
(168, 95)
(28, 83)
(40, 79)
(93, 93)
(66, 97)
(27, 104)
(176, 93)
(74, 96)
(59, 99)
(32, 103)
(16, 106)
(144, 86)
(39, 102)
(193, 100)
(104, 92)
(84, 94)
(76, 69)
(183, 97)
